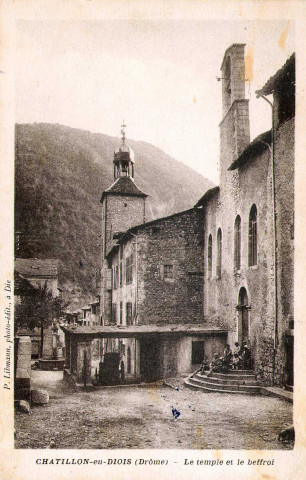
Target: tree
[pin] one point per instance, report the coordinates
(38, 310)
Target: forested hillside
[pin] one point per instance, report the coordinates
(60, 174)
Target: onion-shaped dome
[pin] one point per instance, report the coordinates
(124, 152)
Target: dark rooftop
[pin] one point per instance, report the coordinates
(256, 147)
(35, 267)
(22, 286)
(207, 195)
(124, 186)
(283, 75)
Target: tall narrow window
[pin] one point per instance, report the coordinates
(237, 243)
(227, 73)
(128, 361)
(120, 274)
(109, 279)
(129, 269)
(114, 313)
(219, 253)
(253, 236)
(209, 256)
(115, 271)
(120, 317)
(129, 313)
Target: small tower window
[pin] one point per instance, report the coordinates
(227, 75)
(168, 271)
(219, 253)
(253, 236)
(237, 243)
(209, 256)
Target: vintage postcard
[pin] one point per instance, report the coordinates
(152, 239)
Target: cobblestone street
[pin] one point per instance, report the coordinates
(141, 417)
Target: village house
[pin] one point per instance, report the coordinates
(31, 274)
(178, 288)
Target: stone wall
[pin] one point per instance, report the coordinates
(175, 241)
(284, 186)
(234, 137)
(119, 213)
(251, 184)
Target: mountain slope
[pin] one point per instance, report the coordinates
(60, 175)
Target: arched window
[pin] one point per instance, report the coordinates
(219, 253)
(128, 361)
(253, 236)
(209, 256)
(237, 243)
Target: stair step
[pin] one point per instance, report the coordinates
(226, 381)
(212, 386)
(222, 387)
(241, 372)
(231, 376)
(207, 389)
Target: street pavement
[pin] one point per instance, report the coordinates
(150, 417)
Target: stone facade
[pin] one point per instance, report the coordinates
(173, 243)
(226, 265)
(163, 284)
(119, 213)
(241, 295)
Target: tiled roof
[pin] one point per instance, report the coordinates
(34, 267)
(207, 195)
(22, 286)
(256, 147)
(127, 234)
(284, 74)
(124, 186)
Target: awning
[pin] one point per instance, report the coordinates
(138, 331)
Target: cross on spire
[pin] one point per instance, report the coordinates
(123, 126)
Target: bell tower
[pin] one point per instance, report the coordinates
(123, 203)
(235, 126)
(123, 159)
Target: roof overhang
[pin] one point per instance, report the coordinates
(255, 148)
(141, 331)
(285, 73)
(207, 196)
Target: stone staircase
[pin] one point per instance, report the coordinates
(235, 381)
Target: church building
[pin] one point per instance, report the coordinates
(249, 223)
(177, 289)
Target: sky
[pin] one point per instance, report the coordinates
(159, 76)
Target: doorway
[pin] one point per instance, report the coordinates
(289, 362)
(243, 317)
(151, 360)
